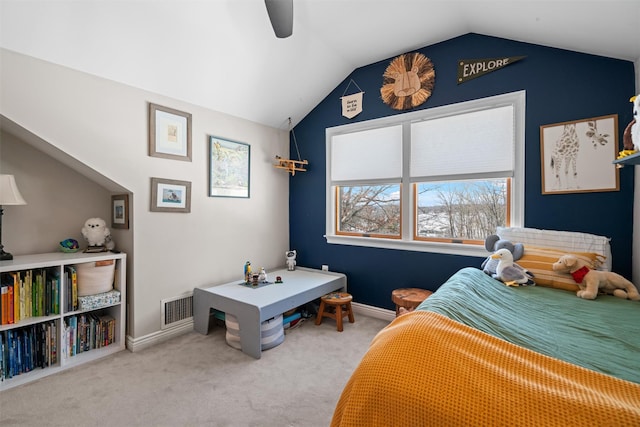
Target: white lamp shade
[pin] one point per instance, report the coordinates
(9, 193)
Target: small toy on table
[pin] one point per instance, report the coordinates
(262, 277)
(291, 259)
(247, 271)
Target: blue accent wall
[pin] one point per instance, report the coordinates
(560, 86)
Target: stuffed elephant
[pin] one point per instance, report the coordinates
(494, 243)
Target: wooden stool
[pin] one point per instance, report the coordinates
(409, 298)
(331, 306)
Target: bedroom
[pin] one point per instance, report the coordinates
(75, 112)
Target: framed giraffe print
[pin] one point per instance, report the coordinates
(577, 156)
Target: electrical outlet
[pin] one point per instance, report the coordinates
(325, 267)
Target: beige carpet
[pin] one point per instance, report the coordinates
(198, 380)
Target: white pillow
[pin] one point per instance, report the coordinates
(563, 240)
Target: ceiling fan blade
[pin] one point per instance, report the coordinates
(281, 16)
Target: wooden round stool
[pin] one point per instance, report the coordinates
(409, 298)
(331, 305)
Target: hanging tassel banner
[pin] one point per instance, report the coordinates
(351, 104)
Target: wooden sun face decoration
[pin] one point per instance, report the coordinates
(408, 81)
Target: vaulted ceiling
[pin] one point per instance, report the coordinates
(223, 54)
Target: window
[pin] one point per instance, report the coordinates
(436, 180)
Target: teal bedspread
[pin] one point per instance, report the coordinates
(602, 334)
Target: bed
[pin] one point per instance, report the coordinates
(478, 352)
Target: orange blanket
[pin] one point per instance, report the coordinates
(425, 369)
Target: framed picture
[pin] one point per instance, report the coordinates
(169, 195)
(577, 156)
(120, 211)
(169, 133)
(229, 166)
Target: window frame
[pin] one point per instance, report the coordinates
(407, 242)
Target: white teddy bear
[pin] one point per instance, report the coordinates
(97, 233)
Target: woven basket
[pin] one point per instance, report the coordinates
(95, 277)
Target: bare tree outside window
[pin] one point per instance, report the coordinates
(451, 211)
(369, 210)
(461, 210)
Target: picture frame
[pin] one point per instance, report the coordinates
(169, 133)
(120, 211)
(170, 195)
(577, 156)
(229, 168)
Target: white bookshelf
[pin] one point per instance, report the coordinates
(58, 261)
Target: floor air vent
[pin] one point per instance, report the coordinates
(176, 310)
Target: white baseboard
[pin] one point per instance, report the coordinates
(375, 312)
(137, 344)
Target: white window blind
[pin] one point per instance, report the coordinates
(367, 155)
(477, 143)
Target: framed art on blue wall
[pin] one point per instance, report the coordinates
(577, 156)
(229, 168)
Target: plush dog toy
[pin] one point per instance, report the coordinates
(591, 281)
(96, 232)
(494, 243)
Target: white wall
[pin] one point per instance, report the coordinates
(58, 198)
(104, 125)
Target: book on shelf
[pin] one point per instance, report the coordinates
(11, 304)
(88, 331)
(2, 357)
(9, 352)
(16, 297)
(24, 349)
(4, 304)
(71, 281)
(28, 294)
(21, 363)
(22, 301)
(47, 295)
(35, 296)
(52, 286)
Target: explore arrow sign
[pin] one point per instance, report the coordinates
(471, 68)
